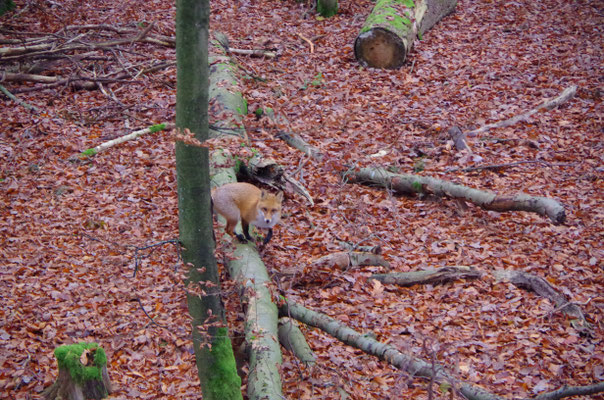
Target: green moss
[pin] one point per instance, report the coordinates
(417, 186)
(88, 153)
(327, 10)
(224, 381)
(6, 5)
(384, 14)
(157, 128)
(68, 357)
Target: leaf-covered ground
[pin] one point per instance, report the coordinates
(72, 232)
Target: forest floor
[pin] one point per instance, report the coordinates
(72, 231)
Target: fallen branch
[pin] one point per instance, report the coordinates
(104, 146)
(292, 338)
(296, 141)
(416, 184)
(18, 100)
(261, 315)
(413, 365)
(431, 276)
(254, 52)
(540, 286)
(347, 259)
(566, 95)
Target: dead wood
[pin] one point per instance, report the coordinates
(415, 367)
(459, 138)
(68, 44)
(292, 338)
(416, 184)
(431, 276)
(566, 95)
(540, 286)
(268, 172)
(297, 142)
(347, 259)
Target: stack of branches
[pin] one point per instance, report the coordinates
(78, 56)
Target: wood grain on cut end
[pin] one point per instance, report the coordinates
(379, 48)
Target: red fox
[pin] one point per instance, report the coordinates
(235, 201)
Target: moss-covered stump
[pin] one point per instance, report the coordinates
(388, 33)
(82, 373)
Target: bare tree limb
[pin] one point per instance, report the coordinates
(566, 95)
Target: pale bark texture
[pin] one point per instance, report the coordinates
(213, 352)
(261, 332)
(416, 184)
(389, 31)
(430, 276)
(414, 366)
(261, 317)
(292, 338)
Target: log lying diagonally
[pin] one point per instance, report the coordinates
(416, 184)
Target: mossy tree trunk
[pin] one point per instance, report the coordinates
(6, 5)
(82, 373)
(388, 33)
(213, 352)
(327, 8)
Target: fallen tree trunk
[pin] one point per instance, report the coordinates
(389, 31)
(416, 184)
(261, 316)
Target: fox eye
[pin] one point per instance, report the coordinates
(264, 209)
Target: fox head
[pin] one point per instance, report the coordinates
(269, 209)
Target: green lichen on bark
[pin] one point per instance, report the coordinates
(68, 357)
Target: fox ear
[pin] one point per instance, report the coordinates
(280, 196)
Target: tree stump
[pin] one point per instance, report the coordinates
(82, 373)
(389, 31)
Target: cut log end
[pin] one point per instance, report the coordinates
(379, 48)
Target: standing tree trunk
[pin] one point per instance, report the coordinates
(389, 31)
(213, 352)
(327, 8)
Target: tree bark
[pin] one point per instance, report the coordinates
(261, 317)
(412, 365)
(388, 33)
(327, 8)
(261, 332)
(412, 184)
(433, 276)
(540, 286)
(292, 338)
(213, 351)
(227, 104)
